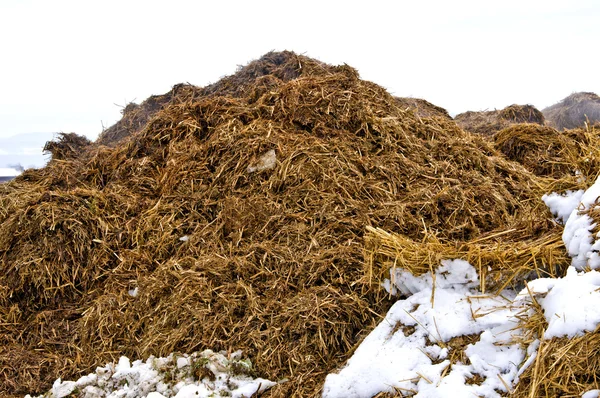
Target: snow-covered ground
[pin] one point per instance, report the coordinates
(7, 174)
(412, 350)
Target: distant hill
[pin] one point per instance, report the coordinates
(574, 111)
(24, 149)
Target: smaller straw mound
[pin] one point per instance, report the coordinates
(542, 150)
(66, 146)
(489, 122)
(566, 160)
(586, 160)
(574, 111)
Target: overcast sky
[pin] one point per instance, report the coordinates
(70, 65)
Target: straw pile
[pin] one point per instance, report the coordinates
(490, 122)
(574, 111)
(238, 212)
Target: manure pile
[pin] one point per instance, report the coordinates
(490, 122)
(238, 213)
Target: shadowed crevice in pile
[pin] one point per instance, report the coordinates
(238, 212)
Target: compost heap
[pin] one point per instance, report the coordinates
(574, 111)
(490, 122)
(238, 211)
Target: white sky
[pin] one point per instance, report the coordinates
(65, 64)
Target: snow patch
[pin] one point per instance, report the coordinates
(571, 304)
(581, 245)
(147, 379)
(562, 205)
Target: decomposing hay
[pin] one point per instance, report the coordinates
(490, 122)
(422, 107)
(250, 82)
(576, 110)
(238, 212)
(66, 145)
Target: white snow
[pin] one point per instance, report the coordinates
(407, 351)
(571, 304)
(147, 379)
(563, 205)
(581, 245)
(591, 394)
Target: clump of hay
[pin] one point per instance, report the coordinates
(490, 122)
(422, 107)
(563, 366)
(66, 145)
(227, 254)
(576, 110)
